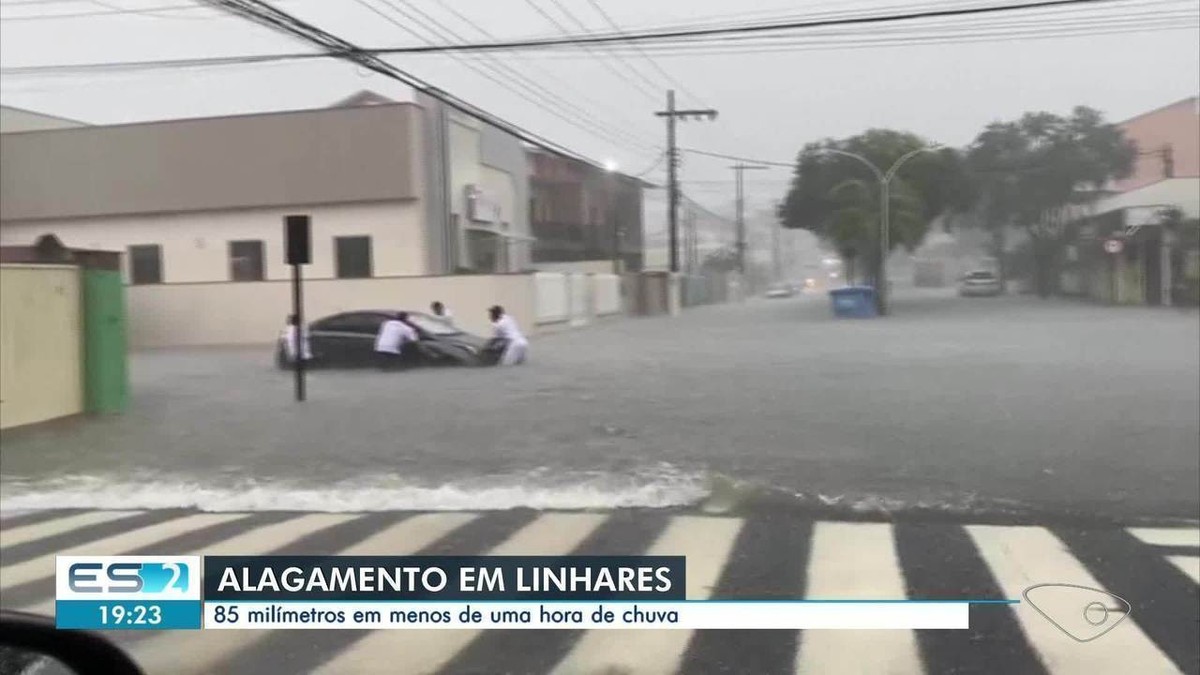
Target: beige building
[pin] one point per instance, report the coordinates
(19, 119)
(203, 200)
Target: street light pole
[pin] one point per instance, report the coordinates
(885, 181)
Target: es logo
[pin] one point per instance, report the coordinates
(127, 577)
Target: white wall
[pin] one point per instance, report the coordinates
(195, 245)
(41, 343)
(575, 298)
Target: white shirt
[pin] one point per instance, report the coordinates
(446, 316)
(505, 327)
(289, 344)
(392, 336)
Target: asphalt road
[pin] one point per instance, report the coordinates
(1007, 407)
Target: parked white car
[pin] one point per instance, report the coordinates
(980, 283)
(781, 291)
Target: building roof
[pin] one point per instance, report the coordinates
(1194, 100)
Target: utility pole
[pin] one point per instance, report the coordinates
(776, 252)
(672, 168)
(738, 170)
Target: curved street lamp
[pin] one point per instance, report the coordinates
(885, 181)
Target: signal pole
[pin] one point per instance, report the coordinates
(738, 169)
(671, 114)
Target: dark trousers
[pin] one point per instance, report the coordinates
(390, 361)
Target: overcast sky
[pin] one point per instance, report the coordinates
(835, 82)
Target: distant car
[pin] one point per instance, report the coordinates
(980, 284)
(348, 340)
(781, 291)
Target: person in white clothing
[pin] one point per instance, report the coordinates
(289, 340)
(390, 342)
(439, 311)
(505, 328)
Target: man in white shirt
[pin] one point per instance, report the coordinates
(439, 311)
(289, 340)
(393, 335)
(505, 328)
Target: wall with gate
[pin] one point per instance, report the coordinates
(575, 299)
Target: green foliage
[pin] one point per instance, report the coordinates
(1036, 171)
(837, 197)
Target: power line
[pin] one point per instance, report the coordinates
(736, 158)
(520, 85)
(650, 92)
(261, 12)
(655, 87)
(650, 36)
(238, 60)
(654, 64)
(566, 85)
(111, 10)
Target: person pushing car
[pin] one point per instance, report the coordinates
(390, 343)
(504, 327)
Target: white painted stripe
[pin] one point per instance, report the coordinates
(1188, 564)
(1168, 536)
(43, 567)
(856, 561)
(410, 535)
(202, 652)
(208, 651)
(50, 528)
(706, 542)
(425, 651)
(1020, 557)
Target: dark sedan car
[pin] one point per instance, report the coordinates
(348, 340)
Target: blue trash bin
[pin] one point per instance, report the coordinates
(854, 302)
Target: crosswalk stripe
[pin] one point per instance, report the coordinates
(43, 567)
(707, 542)
(410, 535)
(768, 562)
(1020, 557)
(50, 528)
(1168, 536)
(517, 650)
(856, 561)
(940, 562)
(197, 652)
(1188, 564)
(427, 650)
(303, 651)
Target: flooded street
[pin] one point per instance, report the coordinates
(981, 405)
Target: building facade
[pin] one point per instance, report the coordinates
(1139, 245)
(394, 189)
(579, 212)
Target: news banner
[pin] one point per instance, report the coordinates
(399, 592)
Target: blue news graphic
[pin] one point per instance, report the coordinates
(127, 592)
(128, 577)
(443, 578)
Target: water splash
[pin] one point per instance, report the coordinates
(658, 486)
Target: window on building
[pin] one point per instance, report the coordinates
(353, 257)
(246, 260)
(145, 264)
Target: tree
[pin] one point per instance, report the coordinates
(1040, 173)
(837, 197)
